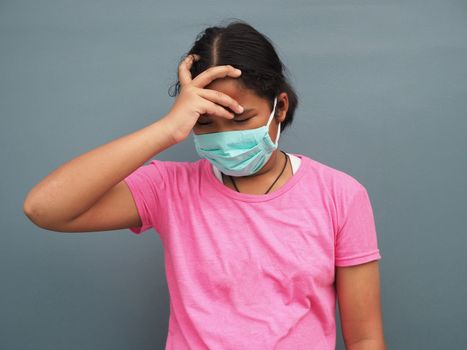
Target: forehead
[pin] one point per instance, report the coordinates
(233, 88)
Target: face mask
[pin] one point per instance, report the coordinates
(238, 152)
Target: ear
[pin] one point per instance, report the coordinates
(282, 107)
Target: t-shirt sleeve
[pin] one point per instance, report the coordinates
(356, 240)
(147, 186)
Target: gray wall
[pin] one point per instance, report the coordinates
(383, 93)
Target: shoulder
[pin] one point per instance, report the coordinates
(339, 188)
(173, 170)
(337, 182)
(342, 190)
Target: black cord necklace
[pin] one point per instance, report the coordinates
(286, 161)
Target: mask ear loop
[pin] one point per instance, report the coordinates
(278, 133)
(271, 118)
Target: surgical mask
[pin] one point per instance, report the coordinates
(238, 152)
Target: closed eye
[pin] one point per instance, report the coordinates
(236, 121)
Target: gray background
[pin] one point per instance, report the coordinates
(383, 97)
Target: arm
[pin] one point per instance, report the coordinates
(87, 193)
(358, 291)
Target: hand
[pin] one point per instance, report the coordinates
(194, 100)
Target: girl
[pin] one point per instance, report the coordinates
(258, 242)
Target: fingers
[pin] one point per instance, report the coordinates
(216, 100)
(213, 73)
(217, 110)
(184, 75)
(221, 99)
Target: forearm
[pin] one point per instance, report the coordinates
(76, 185)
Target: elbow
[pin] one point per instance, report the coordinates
(36, 214)
(28, 209)
(31, 212)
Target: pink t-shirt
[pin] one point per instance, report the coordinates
(248, 271)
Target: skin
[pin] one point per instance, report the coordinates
(358, 294)
(357, 287)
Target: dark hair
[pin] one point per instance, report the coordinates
(242, 46)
